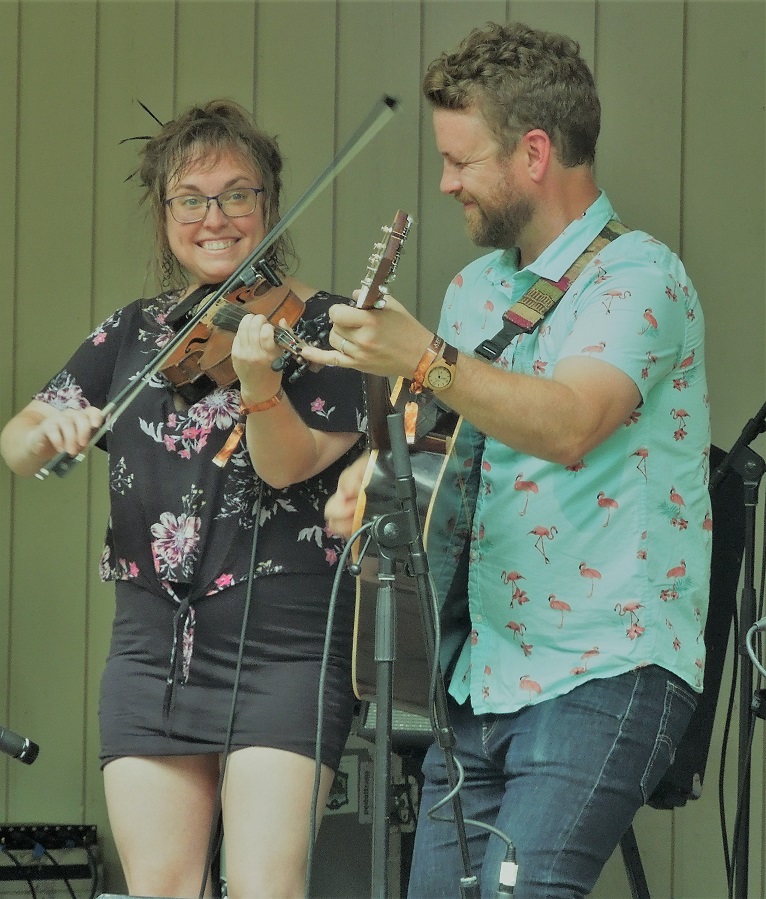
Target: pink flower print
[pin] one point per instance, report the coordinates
(99, 337)
(330, 555)
(527, 648)
(635, 630)
(133, 569)
(170, 443)
(176, 539)
(474, 637)
(224, 580)
(458, 280)
(318, 407)
(489, 306)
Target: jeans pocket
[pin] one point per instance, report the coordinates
(679, 704)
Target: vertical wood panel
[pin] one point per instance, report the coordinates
(294, 99)
(378, 45)
(215, 52)
(639, 156)
(55, 190)
(9, 13)
(723, 248)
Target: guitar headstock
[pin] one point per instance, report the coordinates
(381, 267)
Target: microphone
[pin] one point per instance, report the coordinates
(18, 747)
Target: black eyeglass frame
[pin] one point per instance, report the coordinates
(255, 190)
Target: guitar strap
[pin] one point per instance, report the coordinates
(526, 314)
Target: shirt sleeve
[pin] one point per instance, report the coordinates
(87, 377)
(634, 315)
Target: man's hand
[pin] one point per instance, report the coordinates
(386, 341)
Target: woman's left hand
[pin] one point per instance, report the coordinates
(252, 353)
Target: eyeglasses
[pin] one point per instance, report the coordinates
(233, 203)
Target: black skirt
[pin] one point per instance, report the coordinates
(153, 705)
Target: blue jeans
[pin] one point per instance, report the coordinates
(563, 779)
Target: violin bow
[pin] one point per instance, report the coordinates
(244, 276)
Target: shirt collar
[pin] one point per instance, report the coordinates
(558, 256)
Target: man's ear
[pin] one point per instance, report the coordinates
(538, 151)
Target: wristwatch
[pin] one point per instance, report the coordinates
(441, 372)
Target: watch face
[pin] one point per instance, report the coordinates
(439, 377)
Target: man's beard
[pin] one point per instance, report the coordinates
(501, 225)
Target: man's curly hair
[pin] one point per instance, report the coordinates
(519, 78)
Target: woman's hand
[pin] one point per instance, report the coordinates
(37, 433)
(341, 507)
(252, 353)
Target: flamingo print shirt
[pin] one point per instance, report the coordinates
(590, 570)
(176, 517)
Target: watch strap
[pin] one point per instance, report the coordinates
(426, 360)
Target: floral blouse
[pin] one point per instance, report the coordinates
(176, 516)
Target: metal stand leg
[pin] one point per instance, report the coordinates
(633, 867)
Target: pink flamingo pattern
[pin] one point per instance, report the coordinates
(518, 596)
(606, 502)
(559, 605)
(592, 507)
(532, 687)
(526, 487)
(542, 534)
(592, 574)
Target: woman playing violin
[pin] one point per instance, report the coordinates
(212, 562)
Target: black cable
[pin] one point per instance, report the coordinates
(59, 867)
(94, 871)
(18, 864)
(339, 571)
(730, 860)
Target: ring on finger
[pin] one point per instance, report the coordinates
(342, 346)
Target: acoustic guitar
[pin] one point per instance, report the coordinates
(444, 454)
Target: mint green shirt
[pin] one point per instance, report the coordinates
(590, 570)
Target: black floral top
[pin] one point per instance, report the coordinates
(176, 517)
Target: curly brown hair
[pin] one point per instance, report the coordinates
(519, 78)
(218, 127)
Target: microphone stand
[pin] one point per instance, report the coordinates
(393, 532)
(750, 466)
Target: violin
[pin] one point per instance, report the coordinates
(202, 361)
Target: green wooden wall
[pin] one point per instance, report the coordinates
(681, 155)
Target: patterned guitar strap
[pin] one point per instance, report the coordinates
(526, 314)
